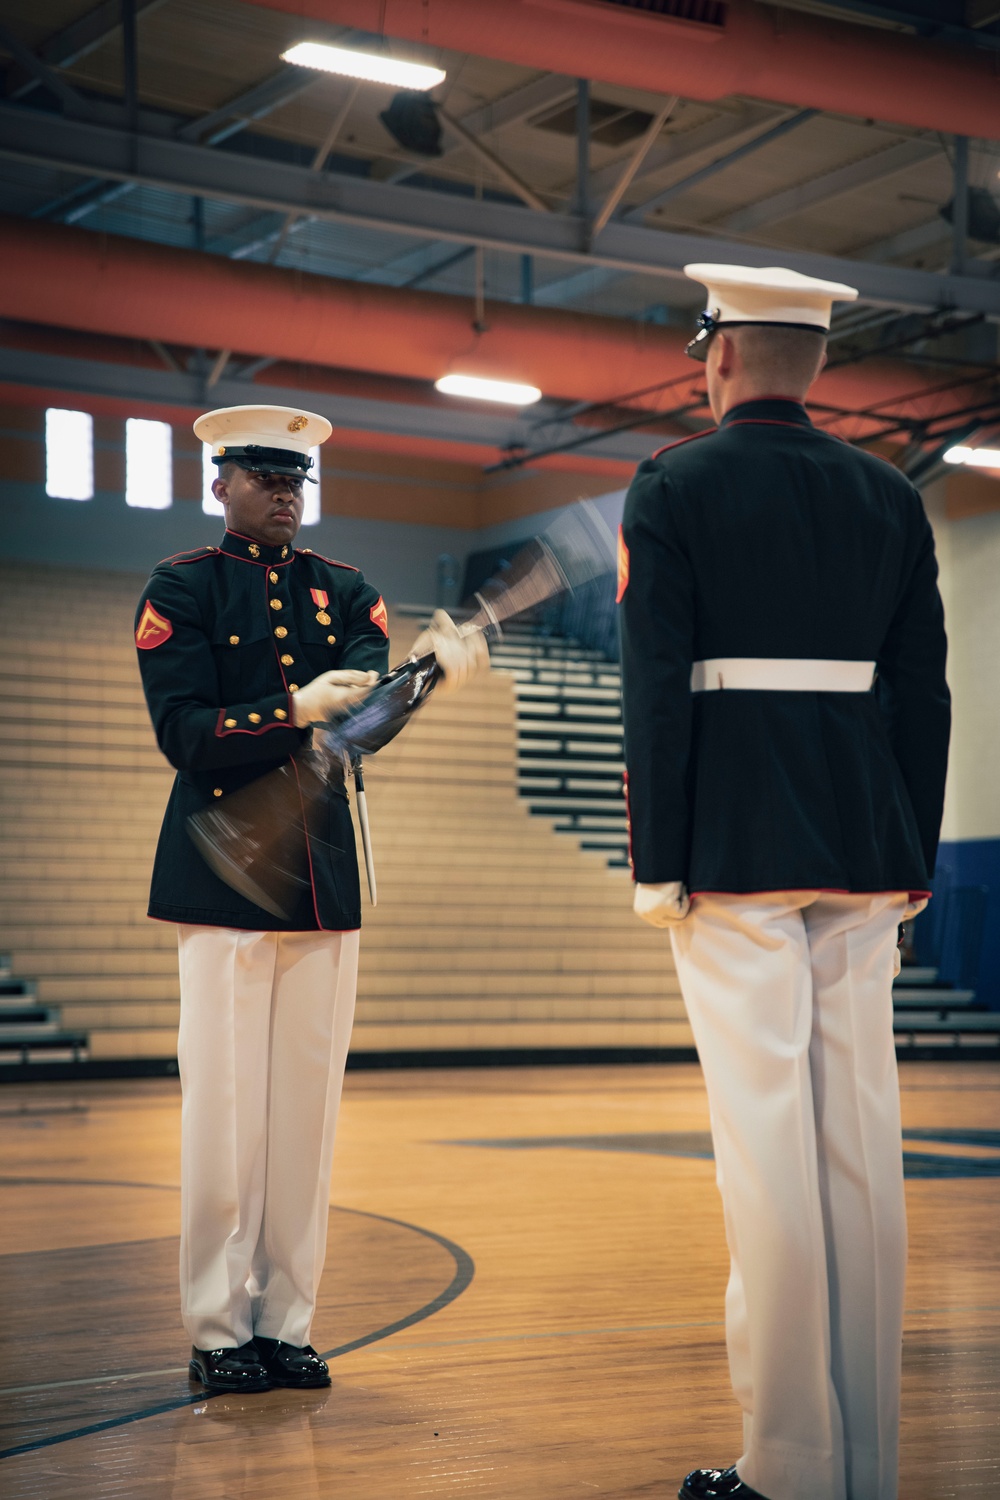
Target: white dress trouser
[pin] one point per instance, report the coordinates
(265, 1026)
(789, 995)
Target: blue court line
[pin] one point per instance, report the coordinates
(465, 1270)
(697, 1146)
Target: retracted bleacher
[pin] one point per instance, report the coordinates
(493, 934)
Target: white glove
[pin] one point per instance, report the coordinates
(459, 656)
(329, 694)
(897, 961)
(662, 905)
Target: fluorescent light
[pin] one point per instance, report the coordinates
(507, 391)
(373, 67)
(977, 458)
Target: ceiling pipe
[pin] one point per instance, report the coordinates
(62, 277)
(786, 56)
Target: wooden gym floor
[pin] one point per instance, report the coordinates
(523, 1295)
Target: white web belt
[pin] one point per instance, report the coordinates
(781, 674)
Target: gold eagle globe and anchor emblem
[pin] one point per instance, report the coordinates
(297, 424)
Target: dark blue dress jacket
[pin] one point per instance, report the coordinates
(223, 635)
(770, 538)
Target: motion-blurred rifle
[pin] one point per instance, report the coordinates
(253, 838)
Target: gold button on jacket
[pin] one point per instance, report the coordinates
(281, 632)
(279, 713)
(234, 640)
(254, 718)
(273, 576)
(287, 661)
(230, 723)
(275, 603)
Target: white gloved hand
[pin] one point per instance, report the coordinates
(329, 694)
(458, 655)
(662, 905)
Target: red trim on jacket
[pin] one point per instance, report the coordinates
(188, 557)
(308, 552)
(628, 822)
(678, 442)
(221, 732)
(776, 422)
(823, 890)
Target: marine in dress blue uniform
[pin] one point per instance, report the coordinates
(241, 646)
(786, 730)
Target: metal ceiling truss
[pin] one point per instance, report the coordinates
(942, 27)
(67, 46)
(48, 140)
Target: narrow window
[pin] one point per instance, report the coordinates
(148, 467)
(209, 473)
(311, 509)
(69, 454)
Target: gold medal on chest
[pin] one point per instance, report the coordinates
(322, 617)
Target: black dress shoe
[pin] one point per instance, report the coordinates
(229, 1369)
(290, 1365)
(716, 1484)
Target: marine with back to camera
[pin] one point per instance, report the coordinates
(786, 723)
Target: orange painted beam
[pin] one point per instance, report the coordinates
(74, 279)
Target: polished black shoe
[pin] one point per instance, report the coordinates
(229, 1369)
(290, 1365)
(716, 1484)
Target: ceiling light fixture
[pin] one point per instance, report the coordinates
(506, 391)
(976, 458)
(372, 67)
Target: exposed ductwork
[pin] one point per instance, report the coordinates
(760, 50)
(70, 278)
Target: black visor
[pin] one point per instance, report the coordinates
(268, 461)
(708, 322)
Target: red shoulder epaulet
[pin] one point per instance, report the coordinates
(308, 552)
(197, 554)
(679, 442)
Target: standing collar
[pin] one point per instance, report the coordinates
(778, 409)
(235, 544)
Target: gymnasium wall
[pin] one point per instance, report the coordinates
(396, 515)
(389, 513)
(965, 510)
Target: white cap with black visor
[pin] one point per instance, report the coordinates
(264, 439)
(763, 294)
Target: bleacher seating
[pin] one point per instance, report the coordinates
(491, 932)
(934, 1000)
(569, 737)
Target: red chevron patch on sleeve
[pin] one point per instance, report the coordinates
(623, 566)
(153, 629)
(380, 616)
